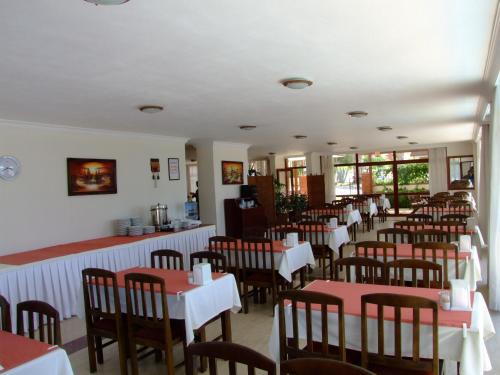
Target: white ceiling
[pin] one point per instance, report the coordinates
(414, 65)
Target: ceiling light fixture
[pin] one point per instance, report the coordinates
(357, 114)
(247, 127)
(384, 128)
(300, 136)
(272, 153)
(401, 137)
(296, 83)
(107, 2)
(151, 108)
(413, 143)
(353, 148)
(331, 143)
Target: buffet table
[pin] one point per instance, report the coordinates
(53, 275)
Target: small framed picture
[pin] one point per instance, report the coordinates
(232, 173)
(173, 169)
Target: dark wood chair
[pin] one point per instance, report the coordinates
(148, 322)
(303, 299)
(431, 250)
(463, 195)
(453, 228)
(228, 246)
(380, 249)
(167, 259)
(314, 233)
(461, 207)
(5, 321)
(455, 217)
(431, 235)
(424, 218)
(103, 316)
(232, 353)
(381, 363)
(49, 326)
(216, 260)
(434, 208)
(421, 271)
(409, 225)
(279, 233)
(325, 218)
(320, 366)
(366, 270)
(304, 217)
(395, 235)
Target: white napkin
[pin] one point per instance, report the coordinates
(382, 196)
(465, 243)
(370, 201)
(460, 295)
(471, 223)
(349, 207)
(292, 239)
(333, 223)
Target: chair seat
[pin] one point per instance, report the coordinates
(352, 356)
(106, 325)
(177, 327)
(386, 370)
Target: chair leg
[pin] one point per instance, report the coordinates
(100, 356)
(245, 298)
(122, 353)
(158, 355)
(133, 357)
(92, 354)
(302, 277)
(203, 338)
(331, 264)
(323, 257)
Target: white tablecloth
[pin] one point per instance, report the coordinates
(58, 281)
(196, 306)
(354, 217)
(373, 210)
(469, 350)
(55, 362)
(338, 237)
(293, 259)
(386, 204)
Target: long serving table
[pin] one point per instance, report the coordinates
(20, 355)
(462, 334)
(53, 275)
(195, 304)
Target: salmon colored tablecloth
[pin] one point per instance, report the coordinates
(404, 250)
(278, 246)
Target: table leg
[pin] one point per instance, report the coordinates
(226, 326)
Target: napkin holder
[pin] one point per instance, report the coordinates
(370, 201)
(349, 207)
(460, 295)
(465, 243)
(382, 197)
(292, 239)
(333, 223)
(202, 274)
(472, 222)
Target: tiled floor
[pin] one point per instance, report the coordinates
(251, 330)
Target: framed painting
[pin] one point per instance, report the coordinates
(173, 169)
(232, 173)
(91, 176)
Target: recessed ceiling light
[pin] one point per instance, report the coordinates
(151, 108)
(401, 137)
(413, 143)
(272, 153)
(247, 127)
(107, 2)
(353, 148)
(384, 128)
(331, 143)
(296, 83)
(300, 136)
(357, 114)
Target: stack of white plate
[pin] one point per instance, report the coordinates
(121, 226)
(136, 221)
(148, 229)
(135, 230)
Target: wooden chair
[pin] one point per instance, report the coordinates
(381, 363)
(442, 194)
(279, 233)
(424, 218)
(168, 259)
(320, 366)
(434, 209)
(217, 261)
(258, 269)
(461, 194)
(304, 217)
(395, 235)
(379, 248)
(303, 299)
(366, 270)
(148, 322)
(314, 233)
(409, 225)
(396, 273)
(461, 207)
(325, 218)
(103, 316)
(455, 217)
(232, 353)
(431, 250)
(255, 231)
(431, 235)
(453, 228)
(47, 316)
(5, 321)
(228, 246)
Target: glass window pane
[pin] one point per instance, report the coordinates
(344, 158)
(412, 155)
(299, 161)
(345, 180)
(376, 179)
(413, 180)
(375, 156)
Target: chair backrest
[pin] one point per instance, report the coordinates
(40, 315)
(442, 194)
(396, 359)
(144, 309)
(453, 228)
(167, 259)
(425, 218)
(5, 321)
(230, 352)
(307, 366)
(216, 260)
(454, 217)
(438, 250)
(366, 270)
(257, 254)
(101, 297)
(227, 246)
(325, 218)
(314, 232)
(395, 235)
(280, 232)
(461, 194)
(431, 235)
(409, 225)
(380, 249)
(305, 300)
(461, 207)
(421, 271)
(304, 217)
(435, 209)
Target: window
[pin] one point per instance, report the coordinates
(376, 157)
(345, 180)
(261, 167)
(192, 170)
(412, 155)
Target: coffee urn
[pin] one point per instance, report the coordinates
(159, 215)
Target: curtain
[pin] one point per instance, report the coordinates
(438, 170)
(482, 180)
(494, 204)
(329, 171)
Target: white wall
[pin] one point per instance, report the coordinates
(459, 148)
(35, 208)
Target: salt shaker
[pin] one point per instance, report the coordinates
(444, 300)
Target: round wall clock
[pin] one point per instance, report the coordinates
(9, 167)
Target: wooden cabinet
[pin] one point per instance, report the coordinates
(237, 218)
(265, 194)
(316, 190)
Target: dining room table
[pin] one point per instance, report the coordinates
(461, 334)
(21, 355)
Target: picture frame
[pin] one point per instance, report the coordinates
(174, 172)
(91, 176)
(232, 172)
